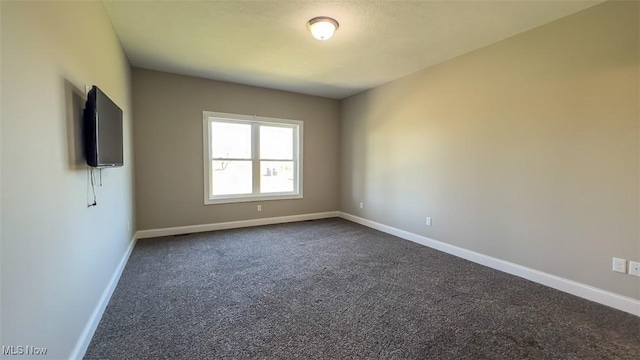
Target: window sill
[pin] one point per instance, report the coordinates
(236, 199)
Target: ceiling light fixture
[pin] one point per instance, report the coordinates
(322, 27)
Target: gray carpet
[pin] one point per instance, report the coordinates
(332, 289)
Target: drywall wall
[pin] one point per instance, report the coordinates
(526, 150)
(57, 254)
(169, 148)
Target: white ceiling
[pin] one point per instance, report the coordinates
(266, 43)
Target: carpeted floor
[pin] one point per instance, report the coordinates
(332, 289)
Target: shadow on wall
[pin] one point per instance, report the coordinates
(379, 150)
(74, 99)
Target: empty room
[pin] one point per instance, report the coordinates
(297, 179)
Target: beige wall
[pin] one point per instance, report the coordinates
(526, 150)
(57, 255)
(168, 136)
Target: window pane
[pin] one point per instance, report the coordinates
(230, 140)
(231, 177)
(276, 176)
(276, 142)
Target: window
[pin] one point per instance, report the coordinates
(251, 158)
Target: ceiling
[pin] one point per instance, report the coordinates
(266, 43)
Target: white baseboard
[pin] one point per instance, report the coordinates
(588, 292)
(90, 328)
(233, 224)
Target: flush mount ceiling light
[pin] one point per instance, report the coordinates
(322, 27)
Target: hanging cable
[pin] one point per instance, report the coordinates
(93, 187)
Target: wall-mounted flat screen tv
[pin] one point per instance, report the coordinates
(102, 130)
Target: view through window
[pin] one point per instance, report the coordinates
(251, 158)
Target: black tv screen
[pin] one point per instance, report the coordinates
(103, 130)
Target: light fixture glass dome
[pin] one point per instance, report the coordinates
(322, 27)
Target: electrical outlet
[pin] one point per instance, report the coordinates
(361, 205)
(259, 208)
(428, 221)
(620, 265)
(634, 268)
(128, 225)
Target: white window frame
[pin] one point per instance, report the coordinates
(209, 117)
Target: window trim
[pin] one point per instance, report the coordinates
(208, 116)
